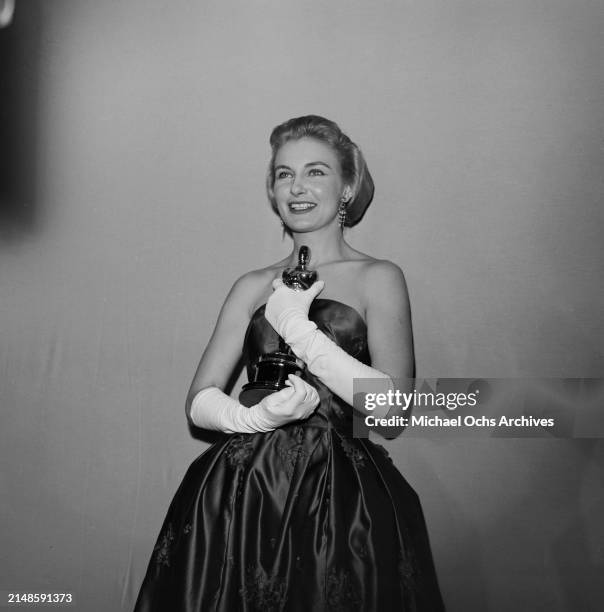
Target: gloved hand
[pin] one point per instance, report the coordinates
(296, 402)
(213, 409)
(285, 303)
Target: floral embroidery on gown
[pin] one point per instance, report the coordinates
(301, 519)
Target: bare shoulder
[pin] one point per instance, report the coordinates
(376, 270)
(250, 287)
(384, 286)
(249, 282)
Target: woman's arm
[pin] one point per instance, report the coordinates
(223, 351)
(388, 314)
(389, 331)
(209, 407)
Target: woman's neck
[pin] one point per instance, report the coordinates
(326, 245)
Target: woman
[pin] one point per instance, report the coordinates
(288, 511)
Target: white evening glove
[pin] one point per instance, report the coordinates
(213, 409)
(287, 311)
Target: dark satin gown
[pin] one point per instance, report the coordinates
(304, 518)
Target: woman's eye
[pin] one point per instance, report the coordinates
(283, 174)
(316, 172)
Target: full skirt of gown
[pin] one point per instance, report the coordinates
(301, 519)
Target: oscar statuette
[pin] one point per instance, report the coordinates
(272, 369)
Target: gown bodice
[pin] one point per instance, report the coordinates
(341, 323)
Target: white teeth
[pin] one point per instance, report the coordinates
(301, 205)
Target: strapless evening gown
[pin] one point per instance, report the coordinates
(301, 519)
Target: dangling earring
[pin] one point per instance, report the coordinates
(282, 230)
(342, 213)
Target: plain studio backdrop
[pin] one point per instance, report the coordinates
(134, 149)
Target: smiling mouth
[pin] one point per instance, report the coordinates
(299, 207)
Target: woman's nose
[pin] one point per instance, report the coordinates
(298, 187)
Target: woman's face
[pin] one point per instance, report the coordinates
(308, 184)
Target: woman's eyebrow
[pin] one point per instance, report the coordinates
(315, 163)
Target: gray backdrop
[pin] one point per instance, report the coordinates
(137, 140)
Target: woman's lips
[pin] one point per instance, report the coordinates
(301, 207)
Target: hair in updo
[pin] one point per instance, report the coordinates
(354, 169)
